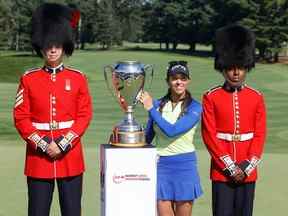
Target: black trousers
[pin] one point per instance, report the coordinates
(230, 199)
(40, 194)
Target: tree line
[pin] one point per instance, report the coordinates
(167, 22)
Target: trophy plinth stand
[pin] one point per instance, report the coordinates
(128, 133)
(128, 181)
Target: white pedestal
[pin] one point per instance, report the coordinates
(128, 181)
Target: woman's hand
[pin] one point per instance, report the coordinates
(146, 100)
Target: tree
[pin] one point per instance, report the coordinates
(269, 22)
(85, 32)
(17, 22)
(108, 25)
(153, 30)
(4, 23)
(176, 22)
(130, 15)
(109, 22)
(163, 22)
(197, 19)
(228, 12)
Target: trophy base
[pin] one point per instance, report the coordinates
(128, 139)
(131, 145)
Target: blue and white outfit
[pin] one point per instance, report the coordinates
(177, 174)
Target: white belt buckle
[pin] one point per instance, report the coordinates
(236, 137)
(54, 125)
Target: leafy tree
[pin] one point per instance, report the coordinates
(87, 25)
(108, 25)
(269, 21)
(196, 22)
(4, 23)
(176, 22)
(228, 12)
(15, 22)
(109, 22)
(164, 22)
(130, 15)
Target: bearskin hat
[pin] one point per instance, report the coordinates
(52, 24)
(235, 47)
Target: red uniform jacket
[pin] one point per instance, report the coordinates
(234, 131)
(53, 103)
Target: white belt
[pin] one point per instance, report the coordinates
(235, 137)
(53, 125)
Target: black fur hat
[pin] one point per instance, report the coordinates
(51, 25)
(235, 47)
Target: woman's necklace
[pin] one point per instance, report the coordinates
(176, 101)
(174, 104)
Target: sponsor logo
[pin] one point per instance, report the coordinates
(117, 179)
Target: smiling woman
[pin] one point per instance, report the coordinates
(171, 127)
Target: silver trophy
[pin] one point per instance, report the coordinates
(126, 80)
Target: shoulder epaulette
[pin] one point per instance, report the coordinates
(213, 89)
(31, 71)
(255, 90)
(75, 70)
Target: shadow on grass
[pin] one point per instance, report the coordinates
(197, 53)
(24, 55)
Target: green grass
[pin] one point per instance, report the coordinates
(272, 80)
(12, 65)
(271, 190)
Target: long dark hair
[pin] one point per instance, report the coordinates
(186, 102)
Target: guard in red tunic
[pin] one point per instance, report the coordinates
(234, 125)
(52, 111)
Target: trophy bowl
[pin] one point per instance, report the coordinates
(126, 81)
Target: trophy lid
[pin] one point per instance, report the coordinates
(129, 67)
(129, 62)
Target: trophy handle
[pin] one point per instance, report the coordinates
(149, 73)
(112, 82)
(108, 71)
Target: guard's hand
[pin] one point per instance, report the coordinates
(53, 151)
(146, 100)
(238, 176)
